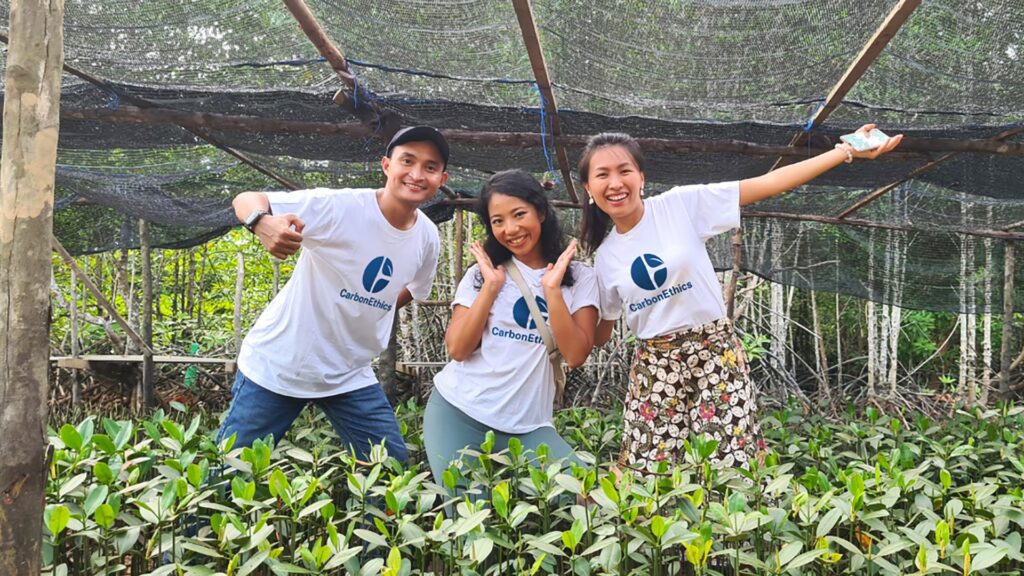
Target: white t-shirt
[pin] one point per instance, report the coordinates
(660, 272)
(508, 382)
(317, 337)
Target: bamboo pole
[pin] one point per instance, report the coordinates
(76, 382)
(27, 167)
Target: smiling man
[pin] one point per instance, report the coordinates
(365, 254)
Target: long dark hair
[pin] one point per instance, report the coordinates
(596, 224)
(519, 184)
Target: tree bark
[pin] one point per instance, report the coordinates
(76, 384)
(986, 326)
(148, 396)
(239, 288)
(30, 126)
(1004, 354)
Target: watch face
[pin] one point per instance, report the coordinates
(253, 218)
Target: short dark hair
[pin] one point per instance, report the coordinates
(522, 185)
(595, 224)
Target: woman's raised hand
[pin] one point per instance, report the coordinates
(552, 278)
(494, 276)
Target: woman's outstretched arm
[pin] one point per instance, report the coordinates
(788, 177)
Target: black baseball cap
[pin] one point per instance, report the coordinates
(420, 134)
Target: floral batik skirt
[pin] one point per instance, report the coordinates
(694, 381)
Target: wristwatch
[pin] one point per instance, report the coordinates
(253, 218)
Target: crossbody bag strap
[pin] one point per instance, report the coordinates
(531, 303)
(554, 355)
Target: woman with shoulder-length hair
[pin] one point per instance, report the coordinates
(500, 376)
(689, 375)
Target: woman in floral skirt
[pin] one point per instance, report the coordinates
(689, 374)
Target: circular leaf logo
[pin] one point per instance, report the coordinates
(521, 312)
(377, 275)
(649, 272)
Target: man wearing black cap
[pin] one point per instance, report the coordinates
(365, 254)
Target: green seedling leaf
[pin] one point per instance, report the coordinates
(58, 519)
(70, 437)
(105, 516)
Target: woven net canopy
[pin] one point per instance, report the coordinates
(170, 107)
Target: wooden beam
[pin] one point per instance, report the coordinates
(983, 233)
(32, 83)
(88, 362)
(910, 148)
(98, 295)
(347, 98)
(878, 193)
(528, 26)
(867, 56)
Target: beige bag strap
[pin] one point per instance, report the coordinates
(554, 356)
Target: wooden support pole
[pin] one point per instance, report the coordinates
(737, 260)
(367, 111)
(27, 167)
(867, 56)
(239, 288)
(147, 393)
(459, 241)
(876, 194)
(1004, 350)
(101, 300)
(76, 382)
(531, 38)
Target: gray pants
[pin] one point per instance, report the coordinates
(447, 430)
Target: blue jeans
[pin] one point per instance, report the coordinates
(361, 417)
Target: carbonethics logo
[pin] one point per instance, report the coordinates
(649, 272)
(377, 275)
(521, 313)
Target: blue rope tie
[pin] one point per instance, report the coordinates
(113, 99)
(544, 133)
(809, 123)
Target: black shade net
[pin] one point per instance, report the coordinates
(704, 71)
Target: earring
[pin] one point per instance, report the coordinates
(641, 190)
(591, 200)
